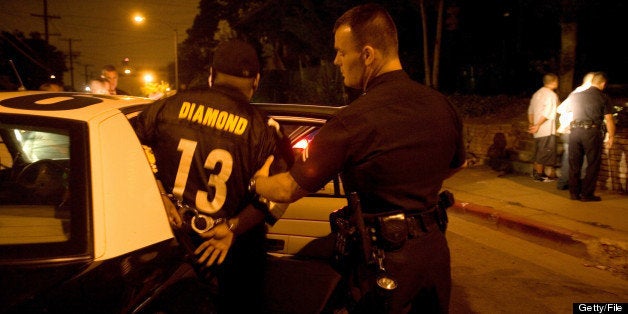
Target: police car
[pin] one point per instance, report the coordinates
(82, 224)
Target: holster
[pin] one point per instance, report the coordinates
(346, 242)
(445, 200)
(392, 231)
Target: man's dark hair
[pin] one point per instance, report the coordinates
(371, 25)
(109, 68)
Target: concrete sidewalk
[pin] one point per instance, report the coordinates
(537, 211)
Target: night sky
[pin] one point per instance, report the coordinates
(102, 31)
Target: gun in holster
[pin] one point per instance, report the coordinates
(357, 254)
(353, 243)
(445, 200)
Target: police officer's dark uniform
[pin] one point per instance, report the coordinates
(395, 145)
(586, 139)
(207, 145)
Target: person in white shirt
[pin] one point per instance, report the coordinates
(542, 117)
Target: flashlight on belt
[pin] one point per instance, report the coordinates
(385, 283)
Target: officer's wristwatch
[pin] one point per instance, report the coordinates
(252, 185)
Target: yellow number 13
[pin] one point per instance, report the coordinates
(218, 181)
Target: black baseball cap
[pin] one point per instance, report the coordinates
(236, 57)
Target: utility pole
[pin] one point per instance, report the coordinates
(71, 60)
(45, 16)
(87, 73)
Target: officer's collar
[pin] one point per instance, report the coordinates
(386, 77)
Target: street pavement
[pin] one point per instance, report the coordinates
(537, 211)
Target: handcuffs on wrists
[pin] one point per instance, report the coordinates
(252, 185)
(203, 223)
(200, 223)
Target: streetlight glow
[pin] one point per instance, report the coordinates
(140, 19)
(148, 78)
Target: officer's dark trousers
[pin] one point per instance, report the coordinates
(584, 142)
(422, 269)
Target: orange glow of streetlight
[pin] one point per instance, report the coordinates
(138, 18)
(148, 78)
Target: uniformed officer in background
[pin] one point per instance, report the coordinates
(393, 145)
(591, 109)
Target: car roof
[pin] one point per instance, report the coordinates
(68, 105)
(85, 106)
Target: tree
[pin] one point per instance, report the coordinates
(35, 60)
(295, 44)
(501, 47)
(568, 40)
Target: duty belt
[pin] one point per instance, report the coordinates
(417, 222)
(587, 124)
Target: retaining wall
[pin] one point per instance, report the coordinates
(520, 147)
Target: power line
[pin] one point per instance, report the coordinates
(72, 54)
(46, 16)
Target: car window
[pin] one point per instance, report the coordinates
(301, 135)
(42, 186)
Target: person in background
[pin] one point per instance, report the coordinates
(393, 145)
(207, 145)
(51, 87)
(99, 86)
(591, 108)
(565, 118)
(542, 125)
(110, 73)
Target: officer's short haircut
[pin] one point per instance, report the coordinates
(371, 25)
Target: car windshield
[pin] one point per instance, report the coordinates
(38, 193)
(38, 145)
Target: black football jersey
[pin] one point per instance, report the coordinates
(208, 144)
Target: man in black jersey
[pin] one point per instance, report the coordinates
(393, 145)
(207, 146)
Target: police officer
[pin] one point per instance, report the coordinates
(207, 145)
(393, 145)
(591, 108)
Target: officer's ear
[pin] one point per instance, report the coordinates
(255, 83)
(368, 55)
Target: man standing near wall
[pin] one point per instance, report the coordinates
(542, 116)
(566, 116)
(590, 109)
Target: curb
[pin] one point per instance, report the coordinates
(568, 241)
